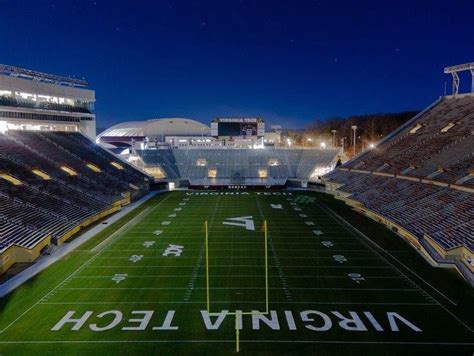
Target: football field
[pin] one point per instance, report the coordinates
(315, 285)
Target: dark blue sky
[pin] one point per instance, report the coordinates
(288, 61)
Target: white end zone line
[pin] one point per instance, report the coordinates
(224, 341)
(253, 302)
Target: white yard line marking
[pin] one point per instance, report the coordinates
(246, 288)
(282, 277)
(246, 302)
(194, 275)
(224, 341)
(235, 275)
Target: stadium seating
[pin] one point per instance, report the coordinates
(54, 201)
(239, 165)
(421, 177)
(439, 142)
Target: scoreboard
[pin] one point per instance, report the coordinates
(238, 127)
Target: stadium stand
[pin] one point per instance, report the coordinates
(239, 166)
(419, 181)
(52, 184)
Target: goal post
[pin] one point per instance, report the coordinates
(238, 313)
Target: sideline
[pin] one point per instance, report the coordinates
(45, 261)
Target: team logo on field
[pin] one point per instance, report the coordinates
(241, 221)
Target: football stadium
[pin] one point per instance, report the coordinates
(236, 177)
(170, 235)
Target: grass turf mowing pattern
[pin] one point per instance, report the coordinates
(304, 275)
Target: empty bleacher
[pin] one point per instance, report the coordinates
(243, 165)
(54, 201)
(429, 146)
(421, 178)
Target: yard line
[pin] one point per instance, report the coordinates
(235, 275)
(283, 280)
(246, 257)
(247, 249)
(244, 288)
(273, 266)
(232, 341)
(244, 302)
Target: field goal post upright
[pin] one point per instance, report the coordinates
(238, 313)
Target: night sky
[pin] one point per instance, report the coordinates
(290, 62)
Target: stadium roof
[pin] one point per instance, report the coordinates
(158, 128)
(40, 76)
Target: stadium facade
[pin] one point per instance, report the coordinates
(234, 152)
(31, 100)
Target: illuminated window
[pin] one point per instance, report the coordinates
(10, 179)
(448, 127)
(416, 128)
(201, 162)
(155, 172)
(69, 171)
(41, 174)
(212, 173)
(117, 165)
(93, 167)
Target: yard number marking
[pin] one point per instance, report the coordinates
(356, 277)
(173, 250)
(340, 258)
(327, 244)
(119, 277)
(135, 258)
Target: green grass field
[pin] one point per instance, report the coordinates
(140, 286)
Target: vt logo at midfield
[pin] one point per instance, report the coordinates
(241, 221)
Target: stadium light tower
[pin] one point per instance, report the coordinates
(454, 70)
(354, 128)
(333, 138)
